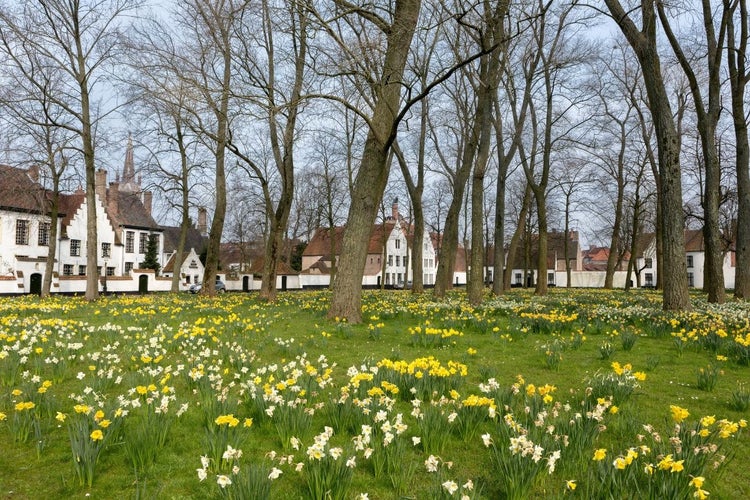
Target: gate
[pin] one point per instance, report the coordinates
(143, 283)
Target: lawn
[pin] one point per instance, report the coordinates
(587, 394)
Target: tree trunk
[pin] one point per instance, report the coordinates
(674, 273)
(373, 171)
(52, 249)
(222, 136)
(738, 77)
(515, 240)
(184, 208)
(285, 160)
(708, 118)
(449, 244)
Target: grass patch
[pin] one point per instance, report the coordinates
(425, 399)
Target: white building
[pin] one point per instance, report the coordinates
(125, 227)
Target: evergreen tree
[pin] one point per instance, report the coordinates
(151, 260)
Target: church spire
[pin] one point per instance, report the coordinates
(129, 181)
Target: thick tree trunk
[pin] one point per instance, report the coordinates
(373, 171)
(449, 244)
(707, 117)
(736, 56)
(674, 272)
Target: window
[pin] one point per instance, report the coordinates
(649, 263)
(550, 278)
(67, 269)
(519, 278)
(106, 250)
(22, 232)
(128, 267)
(390, 260)
(649, 279)
(690, 261)
(129, 241)
(44, 228)
(81, 270)
(75, 250)
(398, 260)
(691, 280)
(110, 271)
(398, 244)
(142, 243)
(155, 239)
(387, 278)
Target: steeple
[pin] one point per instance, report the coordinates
(129, 183)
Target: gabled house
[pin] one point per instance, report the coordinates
(192, 269)
(386, 261)
(124, 228)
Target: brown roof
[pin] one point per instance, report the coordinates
(694, 240)
(194, 240)
(131, 211)
(20, 193)
(320, 243)
(378, 237)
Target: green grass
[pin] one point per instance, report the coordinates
(235, 338)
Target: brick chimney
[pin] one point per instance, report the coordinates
(202, 225)
(394, 209)
(147, 198)
(113, 199)
(101, 185)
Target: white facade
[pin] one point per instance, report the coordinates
(71, 251)
(397, 255)
(24, 245)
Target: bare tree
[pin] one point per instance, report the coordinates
(707, 114)
(278, 109)
(490, 66)
(204, 63)
(738, 78)
(77, 39)
(643, 42)
(373, 171)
